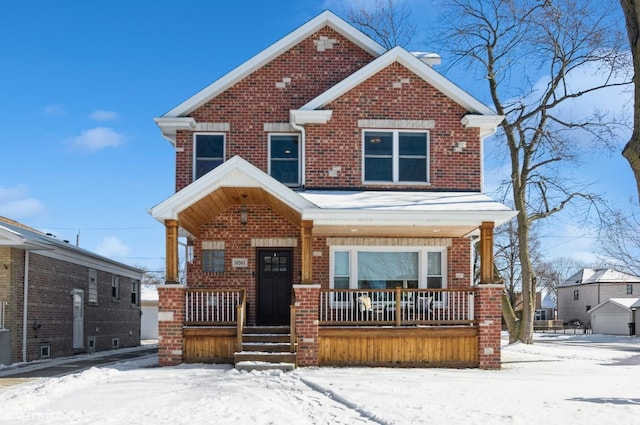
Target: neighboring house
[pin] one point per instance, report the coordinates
(61, 300)
(590, 287)
(149, 306)
(635, 308)
(334, 189)
(614, 317)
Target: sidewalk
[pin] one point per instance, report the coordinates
(20, 372)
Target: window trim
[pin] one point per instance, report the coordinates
(195, 149)
(395, 156)
(300, 159)
(115, 288)
(135, 292)
(422, 261)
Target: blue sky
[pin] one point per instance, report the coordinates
(81, 82)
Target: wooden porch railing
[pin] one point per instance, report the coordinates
(3, 308)
(400, 306)
(241, 315)
(214, 306)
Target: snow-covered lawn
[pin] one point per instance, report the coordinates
(562, 379)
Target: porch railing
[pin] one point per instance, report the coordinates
(400, 306)
(3, 308)
(214, 307)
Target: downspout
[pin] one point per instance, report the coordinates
(303, 135)
(25, 299)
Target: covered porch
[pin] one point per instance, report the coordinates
(402, 325)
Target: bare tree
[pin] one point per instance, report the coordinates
(550, 274)
(386, 21)
(530, 54)
(620, 244)
(631, 10)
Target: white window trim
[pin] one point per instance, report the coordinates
(395, 157)
(353, 264)
(194, 157)
(299, 183)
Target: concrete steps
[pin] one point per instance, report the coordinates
(264, 348)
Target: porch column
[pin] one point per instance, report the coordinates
(171, 243)
(306, 236)
(307, 309)
(487, 306)
(171, 315)
(486, 252)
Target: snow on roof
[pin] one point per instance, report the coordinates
(589, 276)
(622, 302)
(403, 201)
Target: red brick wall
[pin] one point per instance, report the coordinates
(262, 223)
(171, 312)
(307, 304)
(489, 315)
(339, 143)
(256, 100)
(51, 282)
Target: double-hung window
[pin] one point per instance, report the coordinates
(396, 156)
(284, 158)
(209, 151)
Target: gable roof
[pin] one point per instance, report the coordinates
(18, 236)
(591, 276)
(415, 65)
(625, 303)
(326, 18)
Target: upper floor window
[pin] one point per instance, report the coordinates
(284, 158)
(208, 153)
(396, 157)
(115, 287)
(93, 286)
(135, 292)
(629, 289)
(576, 294)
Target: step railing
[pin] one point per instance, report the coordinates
(399, 306)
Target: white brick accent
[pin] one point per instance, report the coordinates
(324, 43)
(276, 127)
(165, 316)
(213, 126)
(417, 124)
(212, 244)
(274, 243)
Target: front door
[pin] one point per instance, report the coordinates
(78, 318)
(275, 282)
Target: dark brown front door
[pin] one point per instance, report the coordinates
(275, 283)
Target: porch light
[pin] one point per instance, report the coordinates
(244, 214)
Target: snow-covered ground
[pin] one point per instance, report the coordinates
(562, 379)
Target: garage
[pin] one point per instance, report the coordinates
(612, 317)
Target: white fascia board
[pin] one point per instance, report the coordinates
(405, 218)
(422, 70)
(235, 172)
(302, 117)
(486, 123)
(93, 262)
(326, 18)
(170, 125)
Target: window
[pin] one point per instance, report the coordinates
(387, 268)
(576, 294)
(396, 156)
(213, 260)
(629, 289)
(93, 286)
(115, 287)
(284, 158)
(208, 153)
(135, 290)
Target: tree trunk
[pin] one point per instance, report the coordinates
(631, 151)
(510, 318)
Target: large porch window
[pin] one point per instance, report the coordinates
(387, 268)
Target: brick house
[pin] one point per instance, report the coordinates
(58, 300)
(333, 189)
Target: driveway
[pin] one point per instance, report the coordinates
(23, 372)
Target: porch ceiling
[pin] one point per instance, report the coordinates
(206, 208)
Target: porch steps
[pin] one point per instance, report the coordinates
(265, 347)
